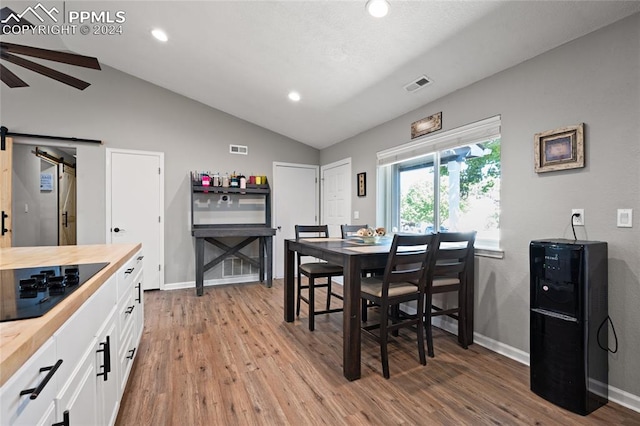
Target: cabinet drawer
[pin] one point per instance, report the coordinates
(22, 410)
(128, 273)
(126, 355)
(126, 316)
(82, 327)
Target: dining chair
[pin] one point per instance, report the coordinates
(350, 231)
(452, 257)
(314, 271)
(405, 277)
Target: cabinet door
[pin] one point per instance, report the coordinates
(107, 377)
(138, 300)
(78, 397)
(17, 409)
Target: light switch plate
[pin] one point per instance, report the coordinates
(625, 218)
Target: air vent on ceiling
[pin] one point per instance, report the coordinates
(239, 149)
(418, 83)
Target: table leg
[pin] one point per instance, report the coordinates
(262, 255)
(289, 259)
(199, 266)
(351, 319)
(269, 246)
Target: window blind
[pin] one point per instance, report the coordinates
(479, 131)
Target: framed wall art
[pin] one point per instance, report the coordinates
(426, 125)
(361, 181)
(559, 149)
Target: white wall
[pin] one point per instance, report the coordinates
(595, 80)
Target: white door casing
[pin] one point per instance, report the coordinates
(135, 207)
(295, 202)
(336, 195)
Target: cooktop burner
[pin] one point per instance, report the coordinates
(32, 292)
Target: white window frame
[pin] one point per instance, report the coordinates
(477, 132)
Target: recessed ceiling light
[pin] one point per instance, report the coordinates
(294, 96)
(377, 8)
(159, 34)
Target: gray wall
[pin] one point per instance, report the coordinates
(595, 80)
(128, 113)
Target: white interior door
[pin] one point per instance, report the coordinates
(135, 207)
(295, 202)
(336, 195)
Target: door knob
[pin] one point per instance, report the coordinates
(116, 229)
(279, 228)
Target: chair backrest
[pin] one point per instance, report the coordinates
(350, 230)
(312, 231)
(411, 259)
(453, 253)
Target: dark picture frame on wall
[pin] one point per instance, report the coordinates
(361, 182)
(559, 149)
(426, 125)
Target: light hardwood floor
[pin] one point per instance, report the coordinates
(228, 358)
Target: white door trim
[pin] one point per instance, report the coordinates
(343, 162)
(160, 156)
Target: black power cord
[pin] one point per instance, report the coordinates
(573, 226)
(615, 336)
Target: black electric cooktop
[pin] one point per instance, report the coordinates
(32, 292)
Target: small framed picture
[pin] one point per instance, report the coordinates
(426, 125)
(559, 149)
(362, 184)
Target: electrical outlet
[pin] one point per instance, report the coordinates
(356, 214)
(625, 218)
(577, 220)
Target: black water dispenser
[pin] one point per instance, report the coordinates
(569, 363)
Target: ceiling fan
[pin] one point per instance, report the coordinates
(8, 52)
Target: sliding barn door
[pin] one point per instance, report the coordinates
(5, 192)
(67, 206)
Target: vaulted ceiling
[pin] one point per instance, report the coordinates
(244, 57)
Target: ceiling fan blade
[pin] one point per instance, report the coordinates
(10, 79)
(52, 55)
(5, 13)
(46, 71)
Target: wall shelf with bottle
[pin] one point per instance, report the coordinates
(231, 206)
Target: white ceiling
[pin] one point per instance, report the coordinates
(243, 57)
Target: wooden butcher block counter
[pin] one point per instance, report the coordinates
(20, 339)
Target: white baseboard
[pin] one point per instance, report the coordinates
(221, 281)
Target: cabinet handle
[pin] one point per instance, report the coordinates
(34, 392)
(130, 309)
(140, 258)
(128, 271)
(65, 419)
(132, 353)
(106, 367)
(139, 299)
(4, 216)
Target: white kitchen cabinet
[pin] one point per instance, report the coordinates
(27, 397)
(107, 378)
(76, 402)
(80, 373)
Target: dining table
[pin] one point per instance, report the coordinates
(354, 255)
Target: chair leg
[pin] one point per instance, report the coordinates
(312, 302)
(328, 293)
(462, 327)
(384, 337)
(299, 295)
(395, 314)
(420, 332)
(363, 314)
(427, 325)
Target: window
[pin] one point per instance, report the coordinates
(446, 182)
